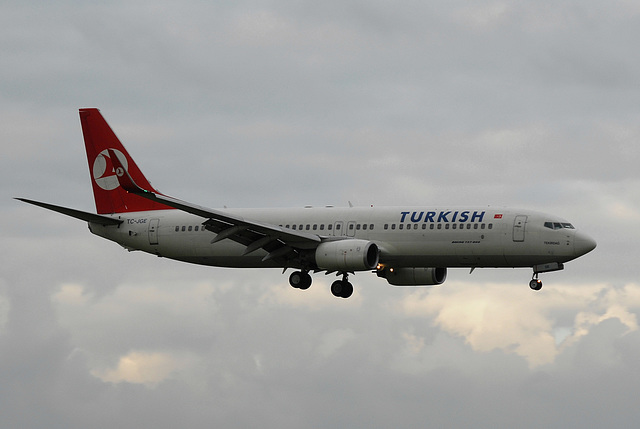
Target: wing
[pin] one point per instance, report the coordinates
(279, 242)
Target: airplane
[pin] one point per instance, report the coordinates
(407, 246)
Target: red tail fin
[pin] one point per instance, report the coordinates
(109, 195)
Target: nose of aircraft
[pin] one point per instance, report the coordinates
(583, 244)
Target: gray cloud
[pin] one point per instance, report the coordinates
(288, 104)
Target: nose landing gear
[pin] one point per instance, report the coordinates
(535, 283)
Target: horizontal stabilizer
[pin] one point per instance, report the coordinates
(78, 214)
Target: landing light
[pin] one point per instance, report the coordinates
(381, 267)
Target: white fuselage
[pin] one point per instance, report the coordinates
(406, 236)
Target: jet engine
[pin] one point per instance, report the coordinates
(414, 276)
(347, 255)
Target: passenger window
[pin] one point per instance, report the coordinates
(190, 228)
(364, 226)
(315, 227)
(393, 226)
(468, 226)
(308, 227)
(401, 226)
(177, 228)
(455, 226)
(322, 227)
(439, 226)
(351, 226)
(330, 227)
(184, 228)
(386, 226)
(371, 226)
(490, 226)
(358, 227)
(294, 227)
(431, 226)
(475, 226)
(197, 228)
(424, 226)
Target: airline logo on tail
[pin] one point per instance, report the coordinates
(104, 173)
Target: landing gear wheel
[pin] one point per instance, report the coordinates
(347, 289)
(342, 289)
(535, 284)
(295, 279)
(336, 288)
(306, 281)
(300, 280)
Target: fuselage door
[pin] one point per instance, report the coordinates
(518, 227)
(153, 231)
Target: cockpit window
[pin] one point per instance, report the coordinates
(558, 225)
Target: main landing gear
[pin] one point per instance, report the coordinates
(342, 288)
(300, 280)
(535, 283)
(339, 288)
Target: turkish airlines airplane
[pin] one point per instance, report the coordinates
(407, 246)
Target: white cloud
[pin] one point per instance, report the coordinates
(148, 368)
(490, 317)
(72, 295)
(609, 303)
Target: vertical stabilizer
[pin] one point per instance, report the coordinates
(108, 194)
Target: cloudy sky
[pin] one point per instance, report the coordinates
(290, 103)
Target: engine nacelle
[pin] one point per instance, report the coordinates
(414, 276)
(347, 255)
